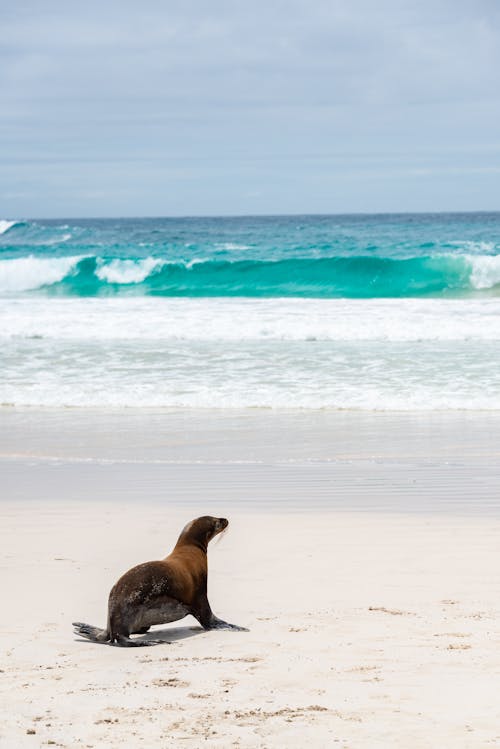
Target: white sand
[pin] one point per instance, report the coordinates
(367, 630)
(363, 553)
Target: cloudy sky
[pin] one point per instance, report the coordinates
(228, 107)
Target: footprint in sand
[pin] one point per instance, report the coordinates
(392, 612)
(173, 682)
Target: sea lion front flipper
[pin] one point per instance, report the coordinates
(216, 623)
(208, 620)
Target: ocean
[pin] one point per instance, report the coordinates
(383, 312)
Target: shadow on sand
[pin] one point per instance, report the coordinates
(172, 634)
(166, 635)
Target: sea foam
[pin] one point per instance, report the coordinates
(248, 320)
(6, 225)
(27, 273)
(127, 271)
(485, 271)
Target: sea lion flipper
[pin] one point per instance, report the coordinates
(95, 634)
(216, 623)
(234, 627)
(207, 618)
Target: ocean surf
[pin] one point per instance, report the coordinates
(394, 312)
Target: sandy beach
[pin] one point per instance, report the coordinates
(373, 625)
(250, 269)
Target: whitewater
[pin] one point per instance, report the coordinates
(364, 312)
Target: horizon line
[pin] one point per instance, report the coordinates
(256, 215)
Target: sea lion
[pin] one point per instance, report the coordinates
(162, 591)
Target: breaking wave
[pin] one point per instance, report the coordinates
(6, 225)
(331, 277)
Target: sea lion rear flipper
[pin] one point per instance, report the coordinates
(96, 634)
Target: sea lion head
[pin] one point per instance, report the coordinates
(201, 530)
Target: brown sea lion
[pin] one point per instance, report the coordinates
(162, 591)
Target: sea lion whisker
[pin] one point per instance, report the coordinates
(220, 535)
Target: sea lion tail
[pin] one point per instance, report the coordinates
(91, 633)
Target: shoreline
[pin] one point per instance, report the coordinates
(347, 486)
(246, 460)
(269, 435)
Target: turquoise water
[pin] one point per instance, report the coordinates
(311, 312)
(305, 256)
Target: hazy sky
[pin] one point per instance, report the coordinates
(173, 108)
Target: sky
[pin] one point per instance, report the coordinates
(230, 108)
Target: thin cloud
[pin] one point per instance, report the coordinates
(217, 95)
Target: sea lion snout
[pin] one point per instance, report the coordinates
(222, 524)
